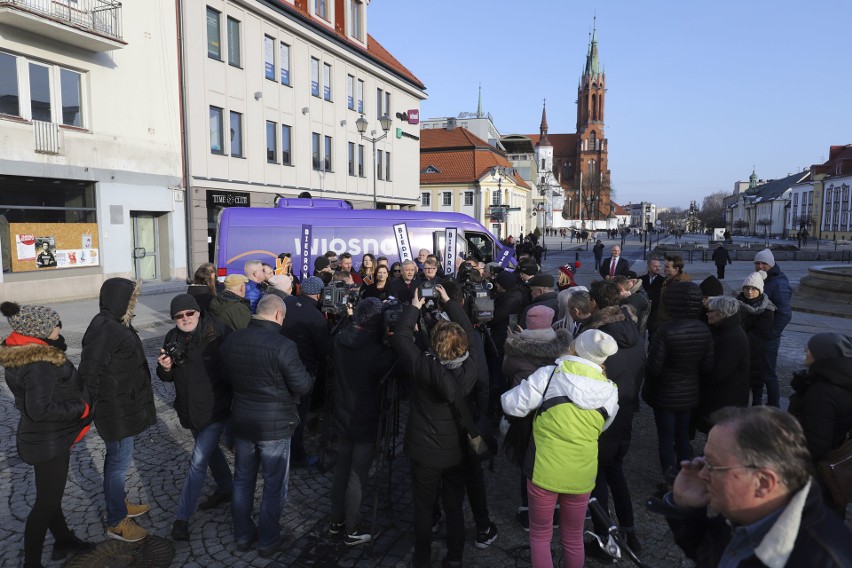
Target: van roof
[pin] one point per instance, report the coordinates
(262, 216)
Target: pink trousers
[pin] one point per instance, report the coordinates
(572, 516)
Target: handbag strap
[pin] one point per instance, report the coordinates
(547, 386)
(461, 413)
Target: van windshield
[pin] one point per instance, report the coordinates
(480, 246)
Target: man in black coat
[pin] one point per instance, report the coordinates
(542, 293)
(652, 283)
(115, 372)
(266, 378)
(614, 265)
(721, 258)
(190, 359)
(403, 288)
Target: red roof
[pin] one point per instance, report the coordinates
(564, 145)
(459, 157)
(443, 139)
(618, 209)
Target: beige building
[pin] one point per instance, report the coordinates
(272, 95)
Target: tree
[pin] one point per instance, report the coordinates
(672, 217)
(765, 223)
(712, 213)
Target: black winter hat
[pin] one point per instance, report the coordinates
(321, 263)
(29, 320)
(508, 280)
(542, 280)
(830, 345)
(711, 286)
(183, 302)
(528, 268)
(368, 313)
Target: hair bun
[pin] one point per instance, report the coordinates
(9, 309)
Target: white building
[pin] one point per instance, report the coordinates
(273, 90)
(90, 147)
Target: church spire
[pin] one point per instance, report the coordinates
(543, 141)
(592, 65)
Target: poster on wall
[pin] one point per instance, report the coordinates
(76, 257)
(87, 241)
(46, 247)
(26, 247)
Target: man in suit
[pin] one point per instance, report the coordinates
(614, 265)
(652, 283)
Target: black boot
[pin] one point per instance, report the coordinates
(73, 545)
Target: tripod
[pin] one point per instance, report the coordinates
(386, 443)
(615, 543)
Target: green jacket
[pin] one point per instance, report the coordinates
(231, 310)
(579, 404)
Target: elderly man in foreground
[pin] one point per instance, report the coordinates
(755, 474)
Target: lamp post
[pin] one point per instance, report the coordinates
(361, 124)
(503, 216)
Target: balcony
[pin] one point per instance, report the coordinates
(93, 25)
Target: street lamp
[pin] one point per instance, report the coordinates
(361, 124)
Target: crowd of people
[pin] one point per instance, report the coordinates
(561, 368)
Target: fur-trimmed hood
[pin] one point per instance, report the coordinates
(538, 344)
(22, 355)
(118, 299)
(618, 321)
(612, 314)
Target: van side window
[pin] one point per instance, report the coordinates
(480, 246)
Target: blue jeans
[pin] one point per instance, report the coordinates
(116, 463)
(206, 452)
(770, 377)
(274, 457)
(673, 434)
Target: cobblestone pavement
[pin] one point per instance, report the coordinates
(162, 455)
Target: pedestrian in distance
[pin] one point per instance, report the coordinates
(598, 252)
(55, 411)
(721, 258)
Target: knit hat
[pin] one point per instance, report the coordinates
(313, 286)
(566, 270)
(280, 282)
(234, 280)
(508, 280)
(321, 263)
(540, 317)
(595, 345)
(183, 302)
(29, 320)
(765, 256)
(711, 286)
(755, 280)
(542, 280)
(528, 268)
(368, 313)
(830, 345)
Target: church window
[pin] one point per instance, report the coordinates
(594, 107)
(593, 143)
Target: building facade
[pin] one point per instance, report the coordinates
(273, 93)
(90, 147)
(822, 204)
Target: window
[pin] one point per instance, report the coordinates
(360, 96)
(426, 199)
(269, 57)
(214, 35)
(495, 197)
(217, 142)
(328, 153)
(70, 88)
(284, 59)
(350, 92)
(351, 156)
(446, 198)
(233, 42)
(286, 157)
(356, 16)
(271, 149)
(9, 97)
(387, 166)
(387, 108)
(314, 77)
(40, 92)
(321, 8)
(379, 99)
(315, 150)
(360, 160)
(236, 134)
(379, 169)
(326, 81)
(468, 198)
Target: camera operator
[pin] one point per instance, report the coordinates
(308, 329)
(190, 359)
(509, 302)
(441, 378)
(361, 361)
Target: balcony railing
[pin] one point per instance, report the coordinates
(47, 137)
(98, 16)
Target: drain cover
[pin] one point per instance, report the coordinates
(152, 552)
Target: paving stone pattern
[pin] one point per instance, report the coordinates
(163, 451)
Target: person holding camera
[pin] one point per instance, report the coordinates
(190, 359)
(362, 362)
(441, 377)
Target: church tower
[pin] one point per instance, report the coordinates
(592, 176)
(543, 148)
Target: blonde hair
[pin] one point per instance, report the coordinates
(449, 341)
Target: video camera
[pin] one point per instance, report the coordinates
(477, 296)
(336, 297)
(392, 310)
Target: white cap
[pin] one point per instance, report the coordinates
(595, 345)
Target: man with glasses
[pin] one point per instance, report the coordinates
(190, 359)
(756, 475)
(403, 288)
(430, 271)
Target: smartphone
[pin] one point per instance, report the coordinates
(513, 321)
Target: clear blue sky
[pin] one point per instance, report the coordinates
(697, 92)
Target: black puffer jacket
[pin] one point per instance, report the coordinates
(266, 378)
(823, 404)
(201, 396)
(361, 361)
(505, 304)
(114, 368)
(431, 435)
(681, 352)
(49, 394)
(626, 369)
(532, 349)
(756, 317)
(728, 384)
(307, 327)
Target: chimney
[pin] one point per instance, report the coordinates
(451, 123)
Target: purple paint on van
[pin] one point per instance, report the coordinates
(249, 233)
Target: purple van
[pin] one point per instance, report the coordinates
(248, 233)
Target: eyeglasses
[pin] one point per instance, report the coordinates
(397, 271)
(186, 314)
(712, 468)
